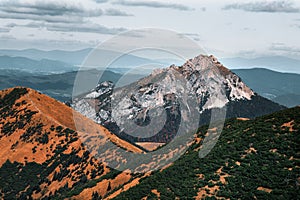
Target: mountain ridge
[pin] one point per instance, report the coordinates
(203, 80)
(41, 109)
(38, 135)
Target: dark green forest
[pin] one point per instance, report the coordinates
(276, 170)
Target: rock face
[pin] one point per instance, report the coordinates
(170, 97)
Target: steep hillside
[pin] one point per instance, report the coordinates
(41, 154)
(253, 159)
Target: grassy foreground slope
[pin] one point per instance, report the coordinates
(253, 159)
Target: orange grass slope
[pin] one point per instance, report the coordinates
(48, 112)
(35, 128)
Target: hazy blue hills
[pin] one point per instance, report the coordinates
(77, 57)
(289, 100)
(58, 86)
(283, 88)
(43, 66)
(72, 57)
(277, 63)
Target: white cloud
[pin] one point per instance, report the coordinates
(265, 6)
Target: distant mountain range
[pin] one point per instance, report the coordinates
(58, 86)
(76, 58)
(43, 66)
(275, 63)
(28, 68)
(71, 57)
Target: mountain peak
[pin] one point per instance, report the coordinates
(203, 80)
(209, 78)
(205, 63)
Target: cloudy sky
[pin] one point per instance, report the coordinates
(225, 28)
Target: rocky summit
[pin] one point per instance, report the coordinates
(170, 97)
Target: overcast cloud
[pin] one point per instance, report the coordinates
(265, 6)
(284, 48)
(153, 4)
(54, 8)
(55, 15)
(72, 27)
(101, 1)
(116, 12)
(50, 8)
(4, 30)
(45, 18)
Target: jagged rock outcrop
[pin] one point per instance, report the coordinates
(164, 99)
